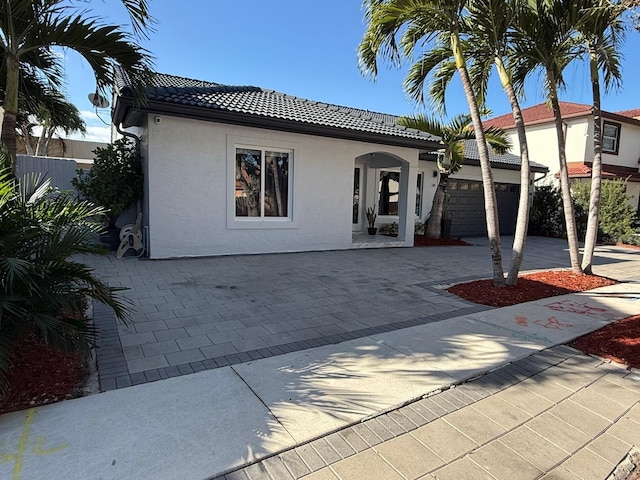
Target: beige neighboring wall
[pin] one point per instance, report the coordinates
(543, 142)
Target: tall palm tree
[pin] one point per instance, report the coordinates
(602, 31)
(394, 28)
(451, 156)
(487, 29)
(545, 40)
(30, 29)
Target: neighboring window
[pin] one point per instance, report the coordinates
(419, 196)
(389, 193)
(262, 183)
(610, 137)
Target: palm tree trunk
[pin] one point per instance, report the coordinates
(567, 201)
(434, 224)
(596, 169)
(490, 204)
(41, 142)
(11, 109)
(522, 222)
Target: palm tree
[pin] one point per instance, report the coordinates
(394, 28)
(601, 31)
(29, 29)
(544, 39)
(59, 115)
(43, 288)
(451, 155)
(487, 29)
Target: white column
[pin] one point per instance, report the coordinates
(407, 203)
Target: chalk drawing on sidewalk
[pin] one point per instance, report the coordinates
(571, 306)
(551, 322)
(22, 450)
(531, 337)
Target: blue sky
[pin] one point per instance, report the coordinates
(302, 48)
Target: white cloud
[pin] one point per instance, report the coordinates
(89, 116)
(94, 134)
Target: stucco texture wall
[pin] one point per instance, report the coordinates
(190, 180)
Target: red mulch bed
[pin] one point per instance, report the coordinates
(530, 287)
(619, 342)
(41, 375)
(424, 241)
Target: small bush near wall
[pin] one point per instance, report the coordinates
(545, 218)
(388, 228)
(616, 215)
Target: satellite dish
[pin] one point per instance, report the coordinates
(98, 100)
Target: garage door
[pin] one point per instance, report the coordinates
(466, 207)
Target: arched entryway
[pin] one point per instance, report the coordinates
(387, 183)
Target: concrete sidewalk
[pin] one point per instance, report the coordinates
(556, 415)
(213, 422)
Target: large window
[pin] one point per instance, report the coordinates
(262, 183)
(389, 193)
(610, 137)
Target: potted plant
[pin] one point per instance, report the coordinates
(114, 182)
(371, 220)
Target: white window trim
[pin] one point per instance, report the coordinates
(259, 223)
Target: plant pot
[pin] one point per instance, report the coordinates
(372, 231)
(111, 238)
(445, 228)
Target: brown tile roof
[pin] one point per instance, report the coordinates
(609, 172)
(257, 102)
(633, 113)
(539, 114)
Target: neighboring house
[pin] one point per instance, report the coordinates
(620, 146)
(238, 169)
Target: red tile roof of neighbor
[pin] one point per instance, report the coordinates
(538, 114)
(609, 172)
(633, 113)
(542, 113)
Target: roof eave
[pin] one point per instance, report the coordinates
(505, 166)
(125, 113)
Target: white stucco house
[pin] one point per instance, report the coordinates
(621, 142)
(239, 169)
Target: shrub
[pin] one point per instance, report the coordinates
(43, 291)
(616, 216)
(115, 179)
(546, 218)
(388, 228)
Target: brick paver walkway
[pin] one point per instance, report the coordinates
(203, 313)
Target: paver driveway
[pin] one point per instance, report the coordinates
(201, 313)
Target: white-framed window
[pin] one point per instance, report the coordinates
(611, 137)
(262, 183)
(389, 193)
